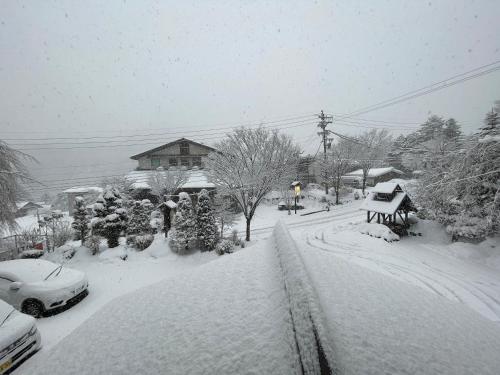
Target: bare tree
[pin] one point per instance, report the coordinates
(340, 161)
(249, 163)
(167, 181)
(13, 174)
(373, 146)
(224, 211)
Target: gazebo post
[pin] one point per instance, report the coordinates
(378, 218)
(368, 216)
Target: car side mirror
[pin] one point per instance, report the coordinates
(16, 285)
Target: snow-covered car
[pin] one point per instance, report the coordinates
(19, 337)
(35, 286)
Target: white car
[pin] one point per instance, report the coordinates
(19, 337)
(34, 286)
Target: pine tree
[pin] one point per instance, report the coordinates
(491, 125)
(80, 219)
(205, 222)
(110, 218)
(183, 235)
(140, 217)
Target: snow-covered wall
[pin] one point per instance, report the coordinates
(311, 334)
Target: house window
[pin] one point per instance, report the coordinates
(155, 162)
(197, 161)
(184, 148)
(185, 162)
(172, 162)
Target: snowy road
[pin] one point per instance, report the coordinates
(417, 262)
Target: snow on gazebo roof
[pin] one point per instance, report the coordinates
(385, 187)
(375, 172)
(383, 207)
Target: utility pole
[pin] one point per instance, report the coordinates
(324, 121)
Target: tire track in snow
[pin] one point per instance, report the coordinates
(309, 222)
(451, 285)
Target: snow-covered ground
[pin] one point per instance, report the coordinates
(110, 276)
(418, 305)
(425, 261)
(229, 316)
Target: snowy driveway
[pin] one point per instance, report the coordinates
(421, 261)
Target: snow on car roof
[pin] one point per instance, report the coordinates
(27, 270)
(383, 207)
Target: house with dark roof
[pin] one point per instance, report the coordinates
(180, 153)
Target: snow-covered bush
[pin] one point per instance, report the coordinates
(156, 221)
(139, 221)
(63, 232)
(235, 238)
(206, 227)
(67, 251)
(224, 247)
(110, 218)
(143, 241)
(183, 234)
(378, 231)
(81, 220)
(93, 243)
(112, 228)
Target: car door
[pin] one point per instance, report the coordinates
(4, 290)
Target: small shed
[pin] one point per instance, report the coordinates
(387, 201)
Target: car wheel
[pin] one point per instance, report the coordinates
(33, 307)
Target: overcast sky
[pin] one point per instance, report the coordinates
(84, 68)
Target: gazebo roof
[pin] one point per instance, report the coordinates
(386, 188)
(383, 207)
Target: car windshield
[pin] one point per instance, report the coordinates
(55, 272)
(3, 318)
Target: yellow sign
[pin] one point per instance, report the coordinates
(297, 190)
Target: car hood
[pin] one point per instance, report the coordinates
(67, 278)
(14, 328)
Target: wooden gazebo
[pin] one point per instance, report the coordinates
(386, 201)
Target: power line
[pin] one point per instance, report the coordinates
(427, 89)
(107, 145)
(229, 125)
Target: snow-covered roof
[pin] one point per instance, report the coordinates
(196, 179)
(375, 172)
(84, 189)
(20, 205)
(385, 187)
(383, 207)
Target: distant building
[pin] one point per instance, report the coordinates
(375, 175)
(180, 153)
(27, 208)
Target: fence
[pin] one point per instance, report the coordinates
(12, 246)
